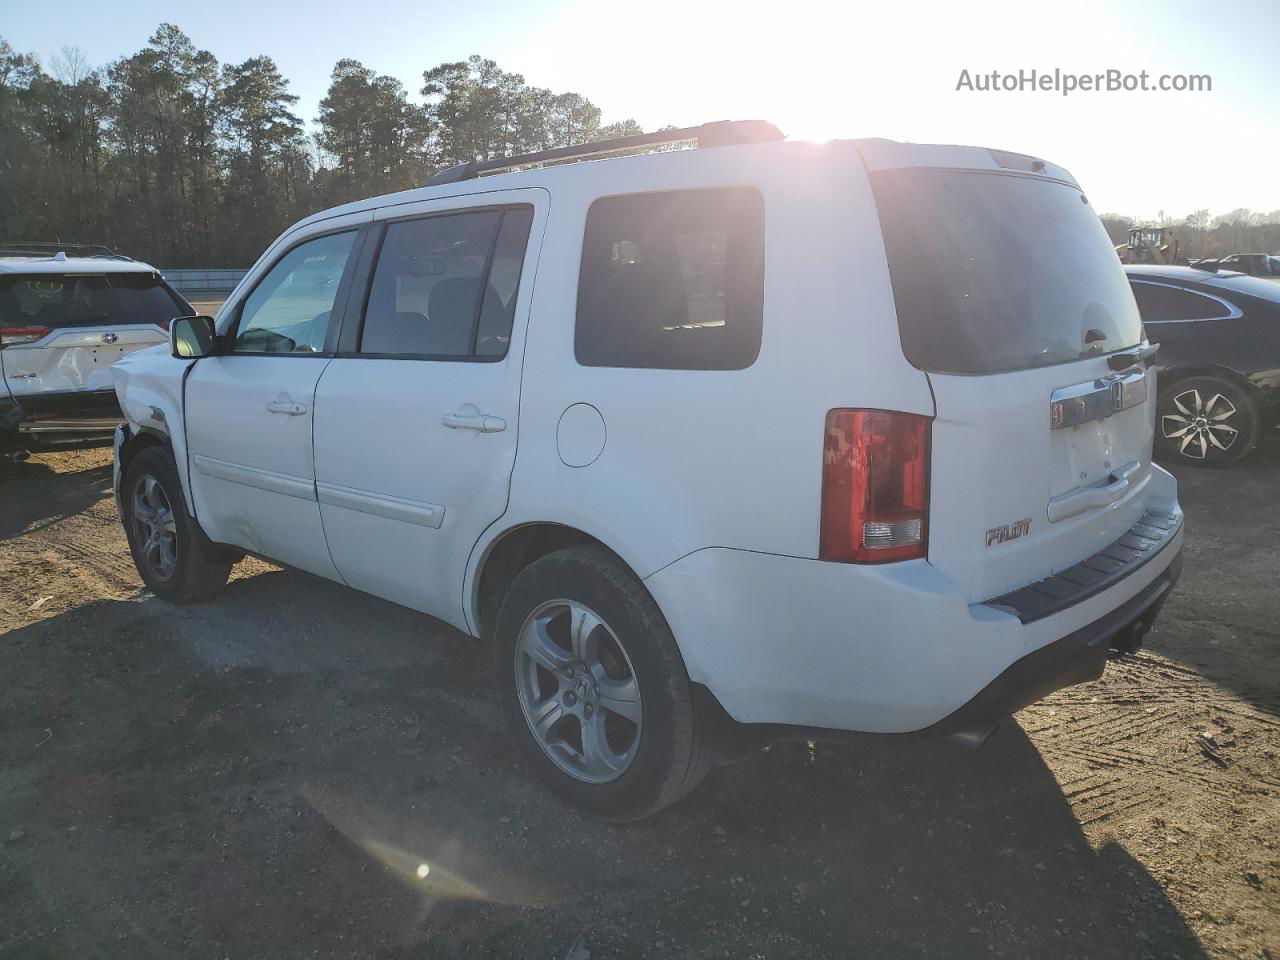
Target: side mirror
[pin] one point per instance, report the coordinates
(191, 338)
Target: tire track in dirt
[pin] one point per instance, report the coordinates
(94, 545)
(74, 554)
(1129, 740)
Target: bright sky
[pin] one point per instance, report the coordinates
(817, 69)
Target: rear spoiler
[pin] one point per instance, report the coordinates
(879, 154)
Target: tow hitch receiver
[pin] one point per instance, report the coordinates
(1129, 638)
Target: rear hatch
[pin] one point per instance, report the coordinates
(1010, 297)
(60, 333)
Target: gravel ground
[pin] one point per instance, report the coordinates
(300, 770)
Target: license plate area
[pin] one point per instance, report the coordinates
(1097, 429)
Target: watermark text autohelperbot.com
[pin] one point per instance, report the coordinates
(1065, 83)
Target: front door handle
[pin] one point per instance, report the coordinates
(290, 408)
(478, 422)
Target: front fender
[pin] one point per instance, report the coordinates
(149, 387)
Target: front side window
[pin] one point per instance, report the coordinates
(445, 286)
(1160, 304)
(672, 280)
(289, 310)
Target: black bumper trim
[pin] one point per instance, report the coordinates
(1143, 541)
(10, 413)
(69, 404)
(1076, 658)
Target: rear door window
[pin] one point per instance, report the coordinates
(445, 286)
(1162, 304)
(996, 272)
(672, 280)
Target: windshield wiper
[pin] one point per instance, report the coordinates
(1131, 358)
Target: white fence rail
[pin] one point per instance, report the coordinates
(211, 280)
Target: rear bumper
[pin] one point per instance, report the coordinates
(73, 412)
(10, 414)
(895, 648)
(1076, 658)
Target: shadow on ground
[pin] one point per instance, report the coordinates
(32, 493)
(300, 770)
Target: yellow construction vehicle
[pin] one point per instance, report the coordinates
(1149, 245)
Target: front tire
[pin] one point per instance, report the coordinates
(175, 559)
(1206, 421)
(594, 689)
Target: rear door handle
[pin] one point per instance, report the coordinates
(290, 408)
(478, 422)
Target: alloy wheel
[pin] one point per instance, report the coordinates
(154, 527)
(1200, 425)
(578, 691)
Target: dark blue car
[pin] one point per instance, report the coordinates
(1219, 336)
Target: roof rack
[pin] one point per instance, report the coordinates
(40, 248)
(721, 133)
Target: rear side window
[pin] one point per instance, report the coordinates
(996, 272)
(1161, 304)
(445, 286)
(493, 331)
(68, 300)
(672, 280)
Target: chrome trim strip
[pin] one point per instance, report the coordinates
(1096, 399)
(1233, 312)
(70, 425)
(253, 477)
(381, 505)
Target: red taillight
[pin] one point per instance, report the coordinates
(164, 324)
(875, 487)
(11, 336)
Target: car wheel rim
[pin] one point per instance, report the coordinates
(1199, 426)
(154, 527)
(578, 691)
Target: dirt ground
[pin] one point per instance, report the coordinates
(299, 770)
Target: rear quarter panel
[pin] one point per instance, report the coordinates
(732, 458)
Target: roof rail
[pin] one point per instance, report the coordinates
(41, 248)
(721, 133)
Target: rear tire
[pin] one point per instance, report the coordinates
(175, 559)
(583, 654)
(1206, 421)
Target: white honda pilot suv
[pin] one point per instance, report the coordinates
(752, 437)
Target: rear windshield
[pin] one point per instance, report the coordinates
(995, 272)
(68, 300)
